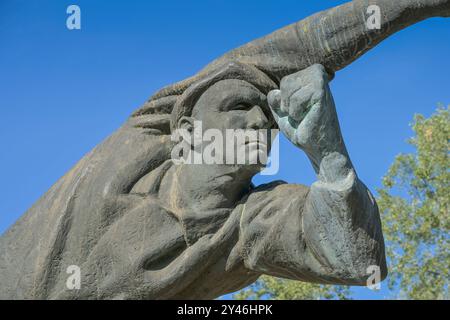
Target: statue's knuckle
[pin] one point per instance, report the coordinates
(298, 104)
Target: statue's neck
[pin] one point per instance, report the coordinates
(207, 187)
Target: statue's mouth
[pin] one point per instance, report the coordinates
(256, 142)
(256, 146)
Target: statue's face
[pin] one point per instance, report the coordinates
(232, 105)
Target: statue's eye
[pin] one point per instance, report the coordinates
(242, 106)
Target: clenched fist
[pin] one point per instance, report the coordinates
(305, 112)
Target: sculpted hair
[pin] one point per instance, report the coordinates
(163, 112)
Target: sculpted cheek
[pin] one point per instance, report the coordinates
(235, 122)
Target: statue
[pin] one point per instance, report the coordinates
(140, 226)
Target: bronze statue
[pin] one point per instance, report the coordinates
(140, 226)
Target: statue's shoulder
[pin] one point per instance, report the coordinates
(275, 190)
(270, 199)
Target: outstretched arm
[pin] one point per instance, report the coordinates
(331, 233)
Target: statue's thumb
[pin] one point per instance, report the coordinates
(274, 100)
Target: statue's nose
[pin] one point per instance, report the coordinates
(256, 119)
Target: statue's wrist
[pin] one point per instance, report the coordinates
(334, 167)
(318, 152)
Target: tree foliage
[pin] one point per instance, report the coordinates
(414, 205)
(280, 289)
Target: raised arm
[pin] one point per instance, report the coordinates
(330, 233)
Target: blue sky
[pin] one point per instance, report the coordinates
(63, 92)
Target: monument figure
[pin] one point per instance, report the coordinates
(140, 226)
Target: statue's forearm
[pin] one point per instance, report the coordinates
(340, 213)
(338, 36)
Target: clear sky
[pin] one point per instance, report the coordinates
(63, 92)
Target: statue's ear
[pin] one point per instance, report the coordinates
(185, 128)
(186, 123)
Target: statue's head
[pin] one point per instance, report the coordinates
(229, 101)
(230, 106)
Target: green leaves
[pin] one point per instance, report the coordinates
(279, 289)
(414, 203)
